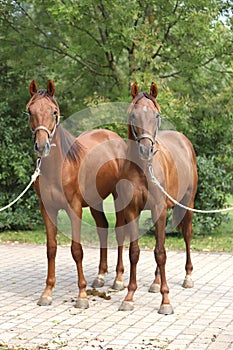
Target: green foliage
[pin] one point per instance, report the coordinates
(16, 166)
(214, 184)
(94, 51)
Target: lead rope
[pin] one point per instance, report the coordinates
(157, 183)
(33, 179)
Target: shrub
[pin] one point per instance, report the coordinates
(16, 167)
(214, 183)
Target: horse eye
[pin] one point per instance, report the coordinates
(55, 113)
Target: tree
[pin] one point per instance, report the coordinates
(96, 49)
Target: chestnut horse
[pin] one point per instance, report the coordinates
(75, 173)
(174, 164)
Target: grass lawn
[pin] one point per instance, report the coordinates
(221, 240)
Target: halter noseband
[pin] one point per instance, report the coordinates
(143, 136)
(42, 127)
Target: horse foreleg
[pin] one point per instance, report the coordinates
(134, 252)
(102, 230)
(51, 232)
(155, 286)
(160, 257)
(77, 254)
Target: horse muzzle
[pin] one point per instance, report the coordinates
(145, 152)
(43, 137)
(42, 149)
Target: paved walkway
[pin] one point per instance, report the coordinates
(203, 317)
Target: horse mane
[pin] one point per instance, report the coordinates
(70, 147)
(43, 93)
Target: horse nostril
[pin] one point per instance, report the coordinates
(36, 148)
(143, 151)
(146, 152)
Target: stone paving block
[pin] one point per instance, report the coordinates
(202, 318)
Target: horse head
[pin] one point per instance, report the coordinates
(44, 115)
(144, 120)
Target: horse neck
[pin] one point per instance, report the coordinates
(52, 164)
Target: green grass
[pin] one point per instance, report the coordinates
(221, 240)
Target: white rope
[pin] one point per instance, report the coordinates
(156, 182)
(33, 179)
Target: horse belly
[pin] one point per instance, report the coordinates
(97, 181)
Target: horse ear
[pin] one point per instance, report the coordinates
(134, 90)
(51, 88)
(154, 90)
(33, 88)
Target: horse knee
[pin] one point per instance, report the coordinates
(160, 256)
(134, 252)
(76, 251)
(51, 252)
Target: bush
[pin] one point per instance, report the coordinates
(214, 183)
(16, 167)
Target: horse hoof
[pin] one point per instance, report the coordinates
(166, 309)
(118, 285)
(188, 282)
(44, 301)
(154, 288)
(126, 306)
(82, 304)
(98, 282)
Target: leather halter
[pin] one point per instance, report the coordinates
(42, 127)
(146, 135)
(142, 136)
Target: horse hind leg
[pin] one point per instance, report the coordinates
(118, 283)
(77, 254)
(155, 286)
(102, 230)
(187, 231)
